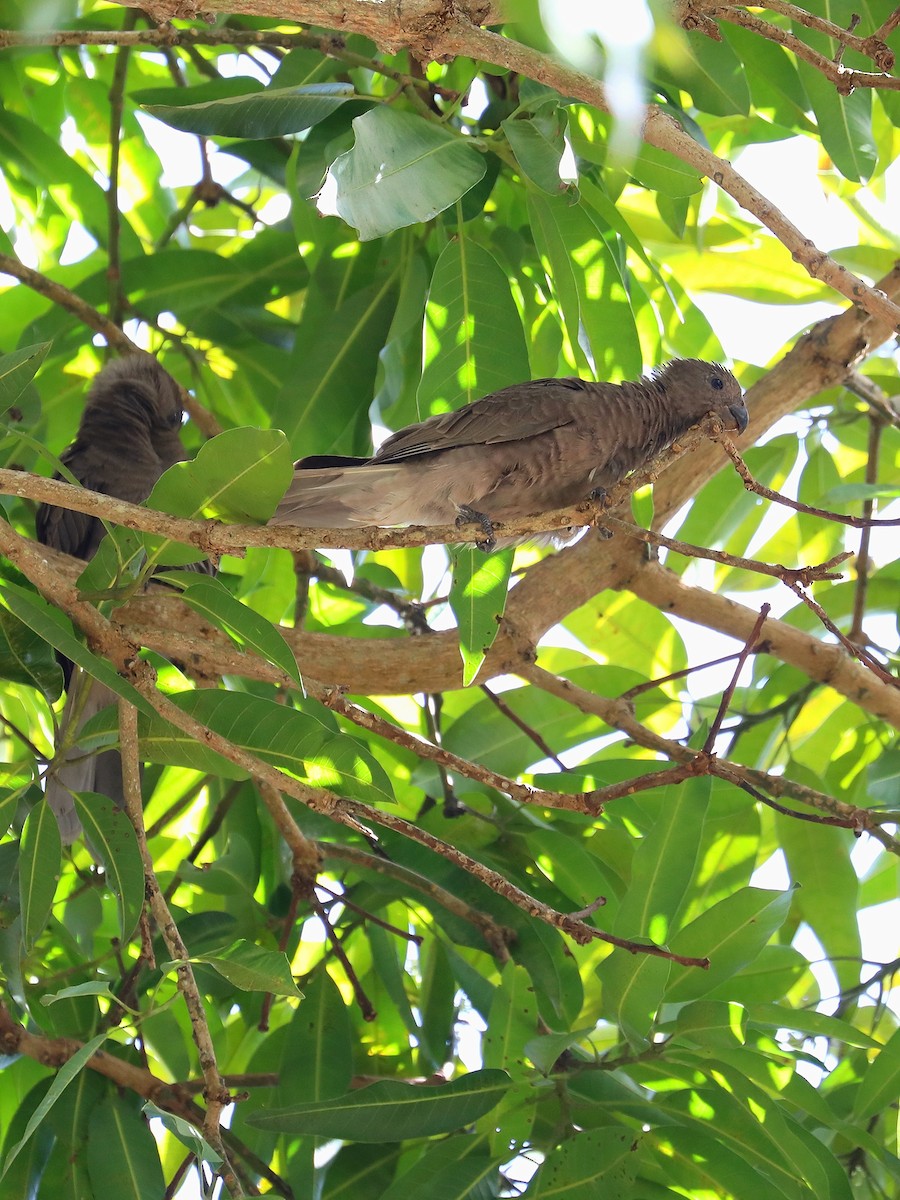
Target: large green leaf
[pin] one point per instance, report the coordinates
(17, 370)
(473, 338)
(454, 1169)
(589, 283)
(238, 476)
(594, 1162)
(64, 1076)
(39, 862)
(323, 407)
(392, 1111)
(538, 143)
(247, 628)
(121, 1152)
(113, 840)
(478, 598)
(401, 170)
(265, 113)
(55, 628)
(26, 658)
(731, 934)
(295, 742)
(252, 968)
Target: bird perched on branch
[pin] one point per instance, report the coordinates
(526, 449)
(129, 434)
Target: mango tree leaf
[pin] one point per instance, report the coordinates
(881, 1081)
(186, 1133)
(17, 370)
(731, 934)
(238, 476)
(478, 598)
(392, 1111)
(253, 969)
(538, 143)
(121, 1153)
(26, 658)
(94, 987)
(454, 1169)
(323, 406)
(474, 341)
(827, 895)
(266, 113)
(246, 627)
(402, 170)
(595, 1162)
(61, 1081)
(588, 285)
(719, 82)
(49, 168)
(296, 742)
(39, 862)
(113, 840)
(661, 171)
(845, 124)
(50, 624)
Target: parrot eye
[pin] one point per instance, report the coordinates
(716, 382)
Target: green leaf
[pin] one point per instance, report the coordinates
(296, 742)
(593, 1163)
(478, 598)
(881, 1081)
(589, 285)
(26, 658)
(731, 934)
(50, 624)
(17, 370)
(255, 114)
(238, 476)
(845, 124)
(473, 337)
(95, 987)
(246, 628)
(60, 175)
(664, 863)
(827, 895)
(661, 171)
(186, 1133)
(121, 1152)
(392, 1111)
(538, 143)
(456, 1169)
(402, 170)
(39, 864)
(253, 969)
(719, 81)
(323, 408)
(317, 1056)
(633, 989)
(112, 838)
(63, 1078)
(512, 1021)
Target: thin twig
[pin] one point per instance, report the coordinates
(744, 654)
(501, 706)
(804, 575)
(752, 485)
(859, 652)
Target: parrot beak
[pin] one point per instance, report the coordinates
(741, 416)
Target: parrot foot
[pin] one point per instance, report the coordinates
(467, 514)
